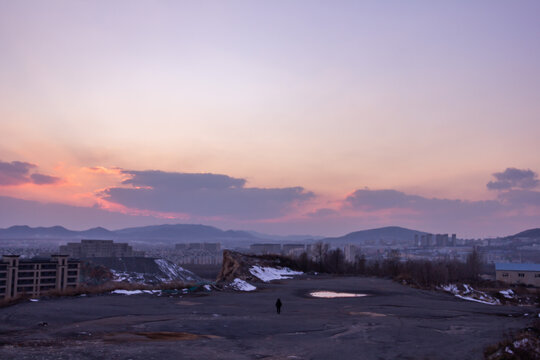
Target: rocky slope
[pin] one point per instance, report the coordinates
(146, 270)
(253, 268)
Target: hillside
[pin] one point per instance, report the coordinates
(531, 233)
(27, 232)
(181, 232)
(389, 234)
(145, 270)
(178, 233)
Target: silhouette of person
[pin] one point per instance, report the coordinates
(278, 306)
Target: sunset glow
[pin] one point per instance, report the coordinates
(298, 117)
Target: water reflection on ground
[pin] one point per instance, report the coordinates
(333, 294)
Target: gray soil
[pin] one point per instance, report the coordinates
(394, 322)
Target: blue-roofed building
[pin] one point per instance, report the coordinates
(512, 273)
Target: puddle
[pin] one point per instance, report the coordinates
(333, 294)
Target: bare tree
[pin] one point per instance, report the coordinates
(474, 262)
(320, 250)
(360, 264)
(335, 261)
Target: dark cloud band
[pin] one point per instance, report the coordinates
(203, 195)
(513, 178)
(18, 173)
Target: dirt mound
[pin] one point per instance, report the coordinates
(236, 265)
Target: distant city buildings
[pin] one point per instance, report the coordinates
(36, 276)
(441, 240)
(264, 249)
(198, 253)
(293, 249)
(211, 247)
(350, 252)
(99, 248)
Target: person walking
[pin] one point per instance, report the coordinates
(278, 306)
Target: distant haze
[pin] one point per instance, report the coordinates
(303, 117)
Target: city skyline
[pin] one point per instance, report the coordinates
(304, 117)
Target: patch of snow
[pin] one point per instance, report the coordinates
(127, 292)
(509, 294)
(207, 287)
(268, 274)
(241, 285)
(519, 343)
(487, 302)
(34, 300)
(135, 292)
(173, 271)
(131, 277)
(165, 272)
(451, 288)
(508, 350)
(333, 294)
(470, 294)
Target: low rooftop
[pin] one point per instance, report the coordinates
(517, 267)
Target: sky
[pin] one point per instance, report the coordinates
(304, 117)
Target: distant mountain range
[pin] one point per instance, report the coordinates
(178, 233)
(197, 233)
(53, 232)
(158, 233)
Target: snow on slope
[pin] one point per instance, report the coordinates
(174, 272)
(157, 271)
(509, 294)
(470, 294)
(268, 273)
(131, 277)
(135, 292)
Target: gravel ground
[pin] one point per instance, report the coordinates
(393, 322)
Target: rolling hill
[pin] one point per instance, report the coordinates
(387, 234)
(531, 233)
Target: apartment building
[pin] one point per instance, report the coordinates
(265, 248)
(38, 275)
(350, 251)
(441, 240)
(98, 248)
(293, 249)
(202, 253)
(210, 247)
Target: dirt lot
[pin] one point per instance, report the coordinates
(393, 322)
